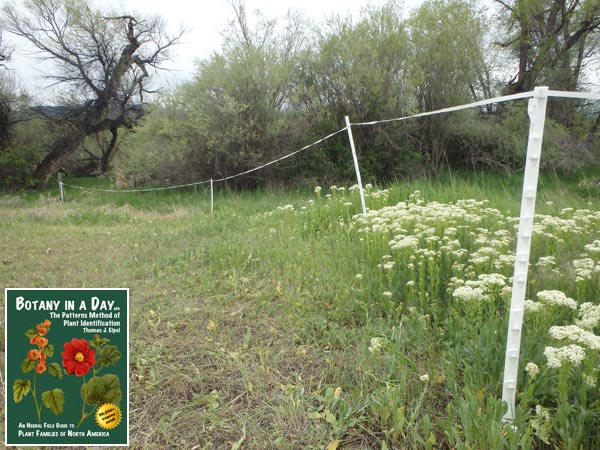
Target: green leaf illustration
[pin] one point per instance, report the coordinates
(54, 400)
(55, 370)
(109, 356)
(28, 364)
(98, 342)
(102, 390)
(20, 389)
(48, 350)
(30, 333)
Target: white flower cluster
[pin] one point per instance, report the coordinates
(469, 294)
(593, 248)
(552, 226)
(285, 208)
(480, 289)
(585, 268)
(542, 423)
(554, 297)
(402, 242)
(531, 306)
(377, 345)
(532, 369)
(589, 316)
(546, 262)
(571, 353)
(575, 334)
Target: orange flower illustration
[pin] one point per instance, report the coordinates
(40, 367)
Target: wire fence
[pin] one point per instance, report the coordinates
(477, 104)
(209, 181)
(537, 115)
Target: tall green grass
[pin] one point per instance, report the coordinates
(276, 324)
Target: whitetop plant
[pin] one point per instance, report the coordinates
(575, 334)
(589, 316)
(532, 369)
(555, 297)
(572, 353)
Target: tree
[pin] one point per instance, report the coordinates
(8, 101)
(102, 60)
(237, 113)
(448, 66)
(552, 41)
(7, 95)
(360, 70)
(5, 51)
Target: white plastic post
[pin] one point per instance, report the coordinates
(212, 197)
(61, 188)
(356, 168)
(537, 116)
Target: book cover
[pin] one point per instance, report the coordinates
(67, 367)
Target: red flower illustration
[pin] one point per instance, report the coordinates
(78, 357)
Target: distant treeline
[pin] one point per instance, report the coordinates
(277, 85)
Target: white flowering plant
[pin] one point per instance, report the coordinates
(443, 270)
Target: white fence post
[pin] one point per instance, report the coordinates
(356, 167)
(212, 197)
(61, 188)
(537, 116)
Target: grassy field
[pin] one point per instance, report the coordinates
(284, 321)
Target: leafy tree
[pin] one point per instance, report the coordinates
(102, 60)
(360, 70)
(448, 67)
(237, 113)
(7, 95)
(552, 41)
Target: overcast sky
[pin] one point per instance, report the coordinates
(204, 19)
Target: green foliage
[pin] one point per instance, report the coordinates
(23, 152)
(277, 85)
(109, 355)
(448, 67)
(20, 389)
(360, 70)
(55, 370)
(54, 400)
(255, 318)
(27, 365)
(102, 389)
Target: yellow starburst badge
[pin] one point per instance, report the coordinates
(108, 416)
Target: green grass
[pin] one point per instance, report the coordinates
(253, 328)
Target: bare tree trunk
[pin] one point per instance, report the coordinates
(99, 60)
(60, 149)
(107, 153)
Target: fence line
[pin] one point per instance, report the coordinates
(196, 183)
(537, 114)
(164, 188)
(505, 98)
(280, 159)
(501, 99)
